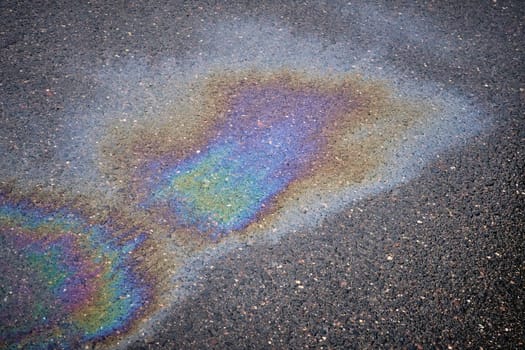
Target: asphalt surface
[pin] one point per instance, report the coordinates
(433, 263)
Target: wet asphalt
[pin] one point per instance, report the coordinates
(435, 263)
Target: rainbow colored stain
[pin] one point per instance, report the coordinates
(242, 152)
(271, 135)
(64, 281)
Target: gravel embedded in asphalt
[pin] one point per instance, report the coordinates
(436, 262)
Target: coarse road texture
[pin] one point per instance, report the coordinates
(436, 261)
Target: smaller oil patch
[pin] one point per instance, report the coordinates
(63, 280)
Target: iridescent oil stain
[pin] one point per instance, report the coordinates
(64, 281)
(259, 140)
(237, 157)
(269, 138)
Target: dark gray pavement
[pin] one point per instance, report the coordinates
(435, 263)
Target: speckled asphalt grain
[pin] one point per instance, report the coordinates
(434, 262)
